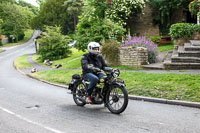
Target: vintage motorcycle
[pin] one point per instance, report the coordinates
(110, 91)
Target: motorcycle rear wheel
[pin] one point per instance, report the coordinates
(117, 99)
(79, 93)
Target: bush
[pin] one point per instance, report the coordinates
(1, 42)
(20, 36)
(110, 51)
(155, 39)
(98, 31)
(183, 30)
(143, 42)
(54, 46)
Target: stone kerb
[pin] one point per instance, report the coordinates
(135, 56)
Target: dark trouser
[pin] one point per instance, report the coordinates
(93, 79)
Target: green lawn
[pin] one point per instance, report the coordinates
(168, 86)
(28, 34)
(165, 47)
(73, 61)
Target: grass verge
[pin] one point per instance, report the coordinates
(169, 86)
(73, 61)
(1, 50)
(21, 62)
(166, 47)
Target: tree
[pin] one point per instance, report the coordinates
(74, 8)
(54, 13)
(165, 11)
(15, 19)
(31, 7)
(93, 26)
(54, 46)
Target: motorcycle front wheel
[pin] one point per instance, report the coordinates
(79, 93)
(117, 99)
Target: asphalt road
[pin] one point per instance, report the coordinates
(31, 106)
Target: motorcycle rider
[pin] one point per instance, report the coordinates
(92, 63)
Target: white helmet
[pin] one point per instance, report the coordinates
(94, 48)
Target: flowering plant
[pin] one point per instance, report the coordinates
(122, 9)
(143, 42)
(194, 7)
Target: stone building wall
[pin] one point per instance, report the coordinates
(143, 24)
(133, 56)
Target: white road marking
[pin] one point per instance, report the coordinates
(29, 121)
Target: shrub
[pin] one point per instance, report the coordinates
(143, 42)
(1, 42)
(155, 39)
(54, 46)
(183, 30)
(97, 30)
(110, 51)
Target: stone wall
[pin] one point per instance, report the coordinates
(143, 24)
(133, 56)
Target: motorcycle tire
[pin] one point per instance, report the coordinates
(79, 93)
(113, 99)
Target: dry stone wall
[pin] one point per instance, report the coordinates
(133, 56)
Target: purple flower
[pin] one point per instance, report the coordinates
(142, 42)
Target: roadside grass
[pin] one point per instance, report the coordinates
(1, 50)
(166, 47)
(56, 76)
(28, 33)
(73, 61)
(169, 86)
(21, 62)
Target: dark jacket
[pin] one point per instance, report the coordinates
(89, 60)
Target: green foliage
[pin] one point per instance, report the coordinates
(15, 19)
(122, 10)
(74, 8)
(110, 51)
(182, 30)
(1, 42)
(93, 26)
(194, 7)
(54, 46)
(97, 30)
(30, 7)
(155, 39)
(53, 13)
(164, 12)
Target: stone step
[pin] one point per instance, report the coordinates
(195, 42)
(178, 66)
(182, 53)
(189, 54)
(185, 59)
(190, 47)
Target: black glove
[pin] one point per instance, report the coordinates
(96, 70)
